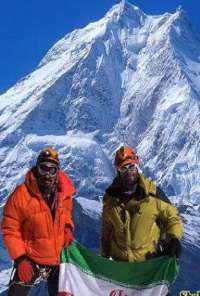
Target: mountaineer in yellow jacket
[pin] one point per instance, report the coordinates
(135, 214)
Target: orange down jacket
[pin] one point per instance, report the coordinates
(28, 227)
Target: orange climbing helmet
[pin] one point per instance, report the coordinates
(48, 155)
(125, 155)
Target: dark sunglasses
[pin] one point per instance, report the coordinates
(45, 169)
(128, 167)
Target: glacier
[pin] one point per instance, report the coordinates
(129, 78)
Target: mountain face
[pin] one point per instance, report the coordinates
(129, 78)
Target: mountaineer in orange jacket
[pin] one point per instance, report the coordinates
(37, 224)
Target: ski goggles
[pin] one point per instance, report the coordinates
(128, 168)
(49, 169)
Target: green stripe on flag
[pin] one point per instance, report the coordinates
(161, 270)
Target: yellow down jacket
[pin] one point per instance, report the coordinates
(131, 231)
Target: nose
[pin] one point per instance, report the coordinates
(131, 172)
(47, 175)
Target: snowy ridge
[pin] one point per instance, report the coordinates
(128, 78)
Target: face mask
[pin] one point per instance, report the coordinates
(47, 176)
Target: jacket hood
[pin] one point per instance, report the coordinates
(65, 185)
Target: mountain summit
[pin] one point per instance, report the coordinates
(129, 78)
(127, 14)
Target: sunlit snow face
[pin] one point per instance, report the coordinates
(129, 175)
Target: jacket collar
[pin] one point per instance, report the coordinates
(65, 185)
(148, 187)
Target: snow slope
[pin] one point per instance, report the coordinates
(129, 78)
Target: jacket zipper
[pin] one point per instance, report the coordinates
(50, 218)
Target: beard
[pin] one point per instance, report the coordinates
(129, 182)
(47, 184)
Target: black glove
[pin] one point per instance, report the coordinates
(172, 247)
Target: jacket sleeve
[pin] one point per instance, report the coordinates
(11, 225)
(106, 232)
(168, 213)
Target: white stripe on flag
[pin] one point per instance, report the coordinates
(82, 272)
(74, 282)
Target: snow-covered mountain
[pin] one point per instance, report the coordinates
(129, 78)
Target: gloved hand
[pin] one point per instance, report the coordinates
(68, 236)
(25, 271)
(172, 247)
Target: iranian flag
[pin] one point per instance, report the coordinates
(84, 273)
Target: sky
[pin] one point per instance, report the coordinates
(29, 28)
